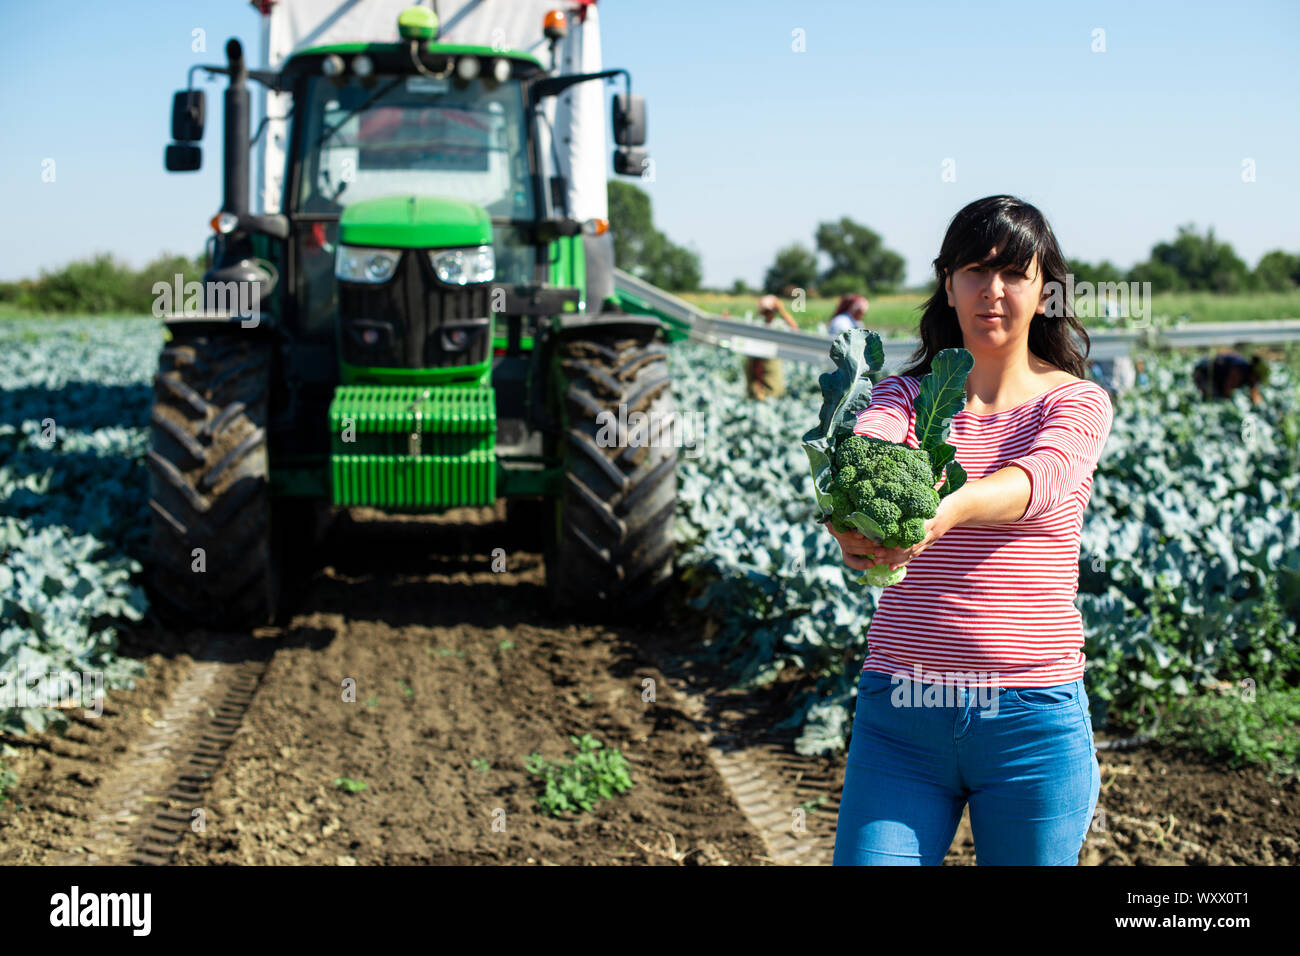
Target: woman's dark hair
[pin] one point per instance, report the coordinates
(1018, 230)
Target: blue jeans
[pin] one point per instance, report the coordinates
(1023, 758)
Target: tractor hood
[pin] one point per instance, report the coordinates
(415, 222)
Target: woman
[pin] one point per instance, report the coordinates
(848, 314)
(764, 377)
(986, 612)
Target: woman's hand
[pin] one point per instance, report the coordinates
(935, 528)
(861, 553)
(898, 557)
(859, 550)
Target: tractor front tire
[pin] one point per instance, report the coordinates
(212, 561)
(610, 546)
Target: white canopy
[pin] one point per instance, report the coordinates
(577, 116)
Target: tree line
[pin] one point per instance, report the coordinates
(1192, 262)
(857, 261)
(101, 285)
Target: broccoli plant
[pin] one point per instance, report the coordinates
(884, 490)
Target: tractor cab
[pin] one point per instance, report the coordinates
(413, 184)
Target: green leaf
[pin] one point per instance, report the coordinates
(955, 478)
(846, 390)
(866, 526)
(942, 395)
(819, 464)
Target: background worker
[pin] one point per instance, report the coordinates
(848, 313)
(1220, 375)
(763, 376)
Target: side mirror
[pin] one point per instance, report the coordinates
(629, 120)
(630, 161)
(187, 116)
(182, 158)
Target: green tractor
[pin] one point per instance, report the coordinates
(420, 327)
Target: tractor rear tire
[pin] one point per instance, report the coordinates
(610, 545)
(209, 485)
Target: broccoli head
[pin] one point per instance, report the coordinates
(891, 484)
(853, 451)
(841, 506)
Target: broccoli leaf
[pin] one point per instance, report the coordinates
(846, 390)
(943, 456)
(819, 463)
(943, 395)
(940, 456)
(955, 479)
(865, 525)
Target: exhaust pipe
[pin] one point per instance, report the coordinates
(236, 141)
(234, 269)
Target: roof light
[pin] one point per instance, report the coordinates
(467, 67)
(417, 23)
(332, 65)
(554, 25)
(362, 65)
(500, 69)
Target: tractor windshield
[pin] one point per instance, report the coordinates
(415, 135)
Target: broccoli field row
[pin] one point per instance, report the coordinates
(1189, 569)
(74, 409)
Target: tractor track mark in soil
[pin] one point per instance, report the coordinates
(766, 780)
(157, 840)
(146, 805)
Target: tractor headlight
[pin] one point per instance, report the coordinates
(463, 266)
(365, 264)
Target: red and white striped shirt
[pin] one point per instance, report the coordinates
(993, 605)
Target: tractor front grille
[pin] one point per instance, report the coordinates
(413, 320)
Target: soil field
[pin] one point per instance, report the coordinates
(410, 666)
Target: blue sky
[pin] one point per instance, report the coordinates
(754, 143)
